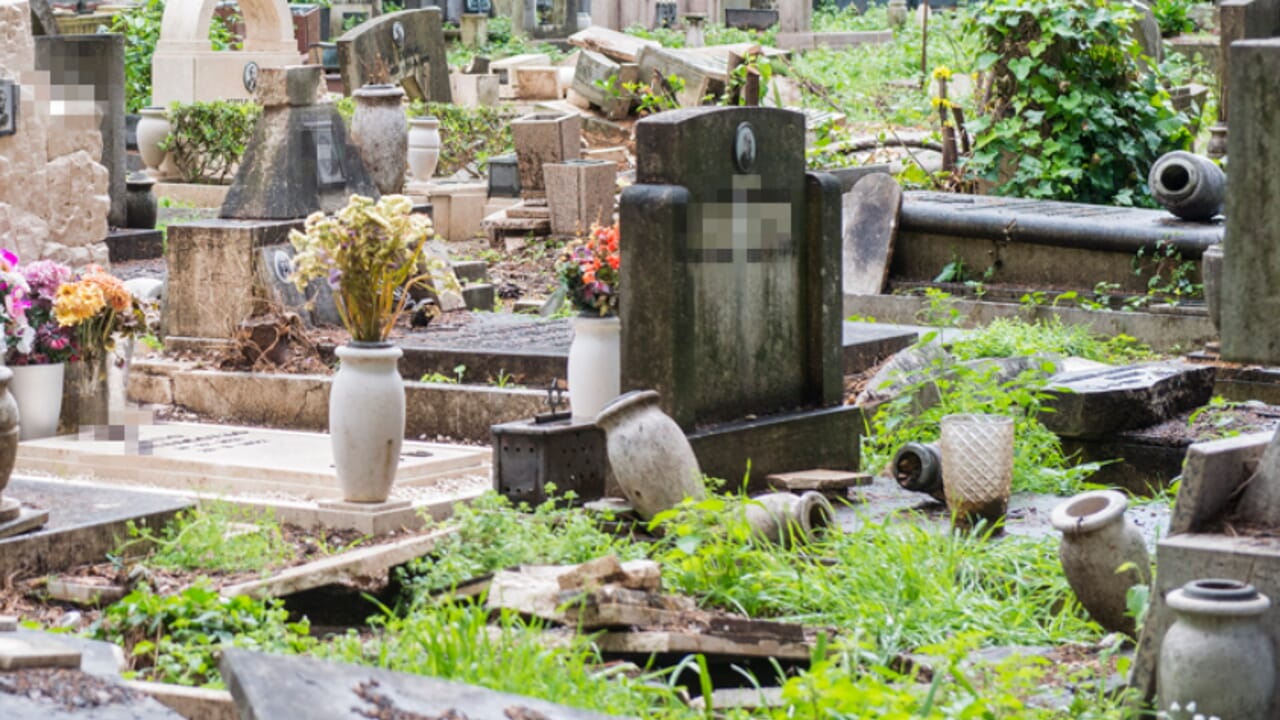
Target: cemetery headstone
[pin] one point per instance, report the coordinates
(731, 257)
(870, 227)
(89, 70)
(184, 67)
(405, 47)
(54, 199)
(1250, 278)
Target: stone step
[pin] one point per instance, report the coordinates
(471, 271)
(479, 296)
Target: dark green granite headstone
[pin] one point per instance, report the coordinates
(731, 279)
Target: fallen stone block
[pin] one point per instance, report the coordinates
(1096, 403)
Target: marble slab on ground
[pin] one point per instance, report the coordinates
(74, 695)
(85, 523)
(1028, 513)
(870, 228)
(267, 686)
(227, 458)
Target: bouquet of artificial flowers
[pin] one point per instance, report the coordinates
(588, 271)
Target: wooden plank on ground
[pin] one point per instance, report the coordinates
(345, 568)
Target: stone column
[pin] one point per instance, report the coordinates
(1250, 272)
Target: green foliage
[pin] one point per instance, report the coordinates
(1010, 337)
(1172, 278)
(179, 638)
(492, 534)
(469, 136)
(456, 641)
(140, 25)
(207, 139)
(1173, 16)
(846, 686)
(713, 34)
(216, 537)
(502, 42)
(1071, 116)
(890, 585)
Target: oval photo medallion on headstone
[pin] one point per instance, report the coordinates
(283, 266)
(744, 147)
(397, 34)
(250, 76)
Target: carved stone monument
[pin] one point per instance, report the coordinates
(405, 47)
(184, 67)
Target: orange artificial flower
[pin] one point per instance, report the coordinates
(613, 261)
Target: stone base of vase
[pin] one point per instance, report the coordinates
(10, 509)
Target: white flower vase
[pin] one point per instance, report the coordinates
(366, 420)
(153, 128)
(424, 147)
(38, 390)
(595, 364)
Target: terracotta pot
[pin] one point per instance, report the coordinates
(424, 147)
(595, 364)
(789, 519)
(1217, 654)
(1189, 186)
(380, 133)
(649, 455)
(9, 508)
(918, 467)
(153, 128)
(38, 391)
(977, 451)
(1096, 542)
(366, 420)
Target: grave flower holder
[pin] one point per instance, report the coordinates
(977, 452)
(366, 420)
(38, 391)
(10, 509)
(594, 372)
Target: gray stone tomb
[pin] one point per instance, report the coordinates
(300, 159)
(731, 260)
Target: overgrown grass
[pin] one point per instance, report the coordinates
(458, 641)
(492, 535)
(216, 537)
(1010, 337)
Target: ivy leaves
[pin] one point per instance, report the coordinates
(1072, 115)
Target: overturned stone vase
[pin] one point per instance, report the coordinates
(1097, 541)
(1217, 659)
(788, 519)
(1190, 186)
(649, 455)
(918, 467)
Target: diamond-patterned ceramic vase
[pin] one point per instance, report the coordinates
(977, 452)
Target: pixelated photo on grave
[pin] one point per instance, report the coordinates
(8, 107)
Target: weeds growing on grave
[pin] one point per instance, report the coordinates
(178, 638)
(216, 537)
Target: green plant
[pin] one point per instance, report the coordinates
(207, 139)
(655, 100)
(492, 535)
(436, 377)
(178, 638)
(1012, 337)
(456, 640)
(1071, 114)
(1172, 278)
(216, 537)
(1173, 16)
(504, 380)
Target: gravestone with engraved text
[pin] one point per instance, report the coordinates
(732, 312)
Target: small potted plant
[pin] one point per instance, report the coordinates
(101, 311)
(588, 272)
(370, 253)
(39, 351)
